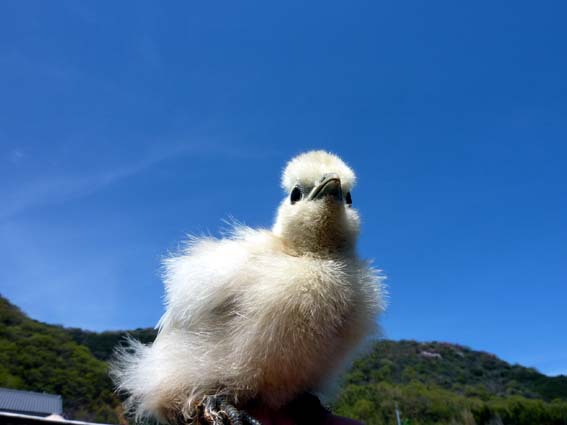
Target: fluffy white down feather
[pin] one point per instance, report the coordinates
(251, 316)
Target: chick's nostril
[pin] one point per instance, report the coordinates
(332, 189)
(329, 176)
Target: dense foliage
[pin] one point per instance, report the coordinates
(102, 344)
(440, 383)
(429, 383)
(44, 358)
(420, 404)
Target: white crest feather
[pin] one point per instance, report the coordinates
(308, 168)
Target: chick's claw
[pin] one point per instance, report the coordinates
(249, 420)
(216, 410)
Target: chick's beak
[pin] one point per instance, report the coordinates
(329, 185)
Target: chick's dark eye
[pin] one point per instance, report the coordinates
(348, 198)
(295, 195)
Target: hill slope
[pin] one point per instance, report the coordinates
(440, 383)
(455, 368)
(39, 357)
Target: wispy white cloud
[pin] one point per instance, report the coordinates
(42, 190)
(15, 156)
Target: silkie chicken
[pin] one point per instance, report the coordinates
(262, 316)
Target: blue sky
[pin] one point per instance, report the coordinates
(125, 127)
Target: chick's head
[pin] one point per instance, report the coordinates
(317, 216)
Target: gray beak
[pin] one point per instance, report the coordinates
(329, 185)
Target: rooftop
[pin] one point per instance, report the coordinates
(29, 402)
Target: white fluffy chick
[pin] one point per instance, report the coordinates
(262, 315)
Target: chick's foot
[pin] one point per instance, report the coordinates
(216, 410)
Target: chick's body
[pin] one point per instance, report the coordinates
(256, 315)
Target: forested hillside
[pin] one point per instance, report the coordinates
(440, 383)
(45, 358)
(455, 368)
(429, 383)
